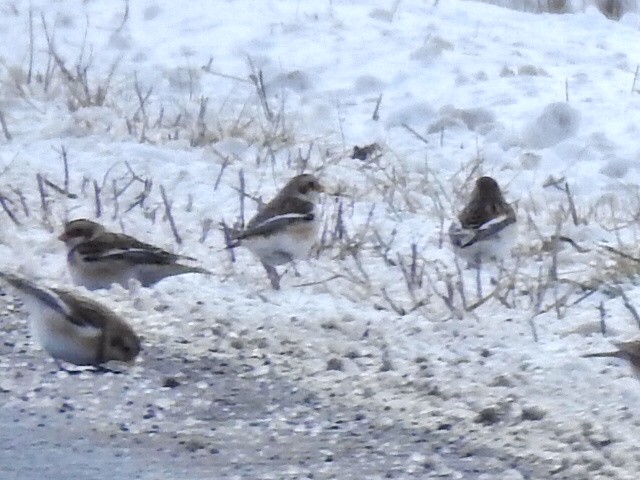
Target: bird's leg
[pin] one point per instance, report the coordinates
(295, 268)
(478, 265)
(273, 275)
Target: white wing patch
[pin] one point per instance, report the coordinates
(279, 219)
(465, 237)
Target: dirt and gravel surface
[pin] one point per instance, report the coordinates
(220, 416)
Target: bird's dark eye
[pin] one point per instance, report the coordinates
(306, 187)
(118, 343)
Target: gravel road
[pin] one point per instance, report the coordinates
(225, 424)
(178, 414)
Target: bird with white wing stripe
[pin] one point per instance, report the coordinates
(98, 258)
(74, 328)
(286, 228)
(486, 227)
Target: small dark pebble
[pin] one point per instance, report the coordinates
(488, 416)
(170, 382)
(194, 445)
(66, 407)
(335, 364)
(363, 153)
(386, 365)
(532, 413)
(149, 414)
(214, 451)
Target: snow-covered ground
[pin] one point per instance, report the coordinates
(199, 97)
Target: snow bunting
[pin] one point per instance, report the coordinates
(286, 228)
(629, 351)
(486, 226)
(97, 258)
(74, 328)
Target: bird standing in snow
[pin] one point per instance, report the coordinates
(73, 328)
(97, 258)
(286, 228)
(486, 226)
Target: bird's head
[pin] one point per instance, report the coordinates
(305, 186)
(80, 230)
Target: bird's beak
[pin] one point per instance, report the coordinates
(63, 237)
(320, 188)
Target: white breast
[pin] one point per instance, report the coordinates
(294, 242)
(60, 338)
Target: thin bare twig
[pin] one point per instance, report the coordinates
(5, 129)
(416, 134)
(65, 163)
(318, 282)
(43, 194)
(58, 189)
(629, 306)
(572, 206)
(96, 192)
(242, 195)
(619, 252)
(23, 200)
(257, 79)
(30, 70)
(125, 17)
(167, 210)
(225, 164)
(399, 310)
(3, 202)
(603, 326)
(142, 99)
(376, 111)
(116, 203)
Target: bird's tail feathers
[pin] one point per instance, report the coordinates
(41, 294)
(616, 353)
(199, 270)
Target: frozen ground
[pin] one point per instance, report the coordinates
(385, 357)
(224, 419)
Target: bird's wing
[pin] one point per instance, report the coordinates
(278, 214)
(465, 237)
(50, 298)
(84, 312)
(281, 205)
(275, 224)
(125, 241)
(104, 249)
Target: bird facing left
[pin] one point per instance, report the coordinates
(98, 258)
(73, 328)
